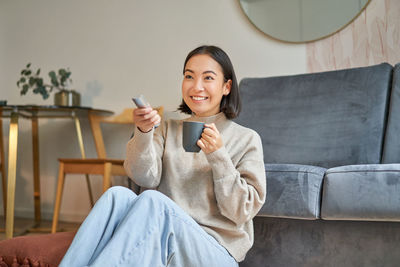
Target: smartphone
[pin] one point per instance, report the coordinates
(140, 102)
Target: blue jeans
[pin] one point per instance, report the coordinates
(124, 229)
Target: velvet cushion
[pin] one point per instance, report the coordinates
(391, 150)
(293, 191)
(323, 119)
(362, 192)
(36, 250)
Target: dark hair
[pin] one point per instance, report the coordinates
(230, 104)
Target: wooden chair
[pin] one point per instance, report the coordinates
(97, 166)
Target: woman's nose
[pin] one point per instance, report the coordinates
(198, 85)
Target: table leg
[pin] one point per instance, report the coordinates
(3, 168)
(12, 172)
(36, 170)
(82, 148)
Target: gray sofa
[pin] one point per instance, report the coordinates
(331, 145)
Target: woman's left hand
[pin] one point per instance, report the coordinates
(210, 140)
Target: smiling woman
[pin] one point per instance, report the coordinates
(215, 74)
(298, 21)
(204, 86)
(201, 208)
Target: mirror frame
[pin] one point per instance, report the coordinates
(308, 41)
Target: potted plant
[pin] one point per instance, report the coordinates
(30, 80)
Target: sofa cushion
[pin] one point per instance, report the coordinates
(391, 149)
(362, 192)
(293, 191)
(36, 250)
(319, 119)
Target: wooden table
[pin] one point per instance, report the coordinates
(33, 113)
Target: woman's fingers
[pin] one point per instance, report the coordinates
(144, 114)
(210, 140)
(146, 118)
(201, 145)
(212, 126)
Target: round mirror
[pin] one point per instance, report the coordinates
(299, 21)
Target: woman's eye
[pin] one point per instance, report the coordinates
(187, 76)
(209, 78)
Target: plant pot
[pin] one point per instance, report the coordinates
(67, 98)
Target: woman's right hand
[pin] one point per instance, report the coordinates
(146, 118)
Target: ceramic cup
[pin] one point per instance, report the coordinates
(191, 134)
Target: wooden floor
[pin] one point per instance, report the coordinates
(22, 225)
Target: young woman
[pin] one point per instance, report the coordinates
(201, 211)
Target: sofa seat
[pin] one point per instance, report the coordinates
(362, 192)
(293, 191)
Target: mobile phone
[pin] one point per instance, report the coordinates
(140, 101)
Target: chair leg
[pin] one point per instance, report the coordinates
(60, 187)
(107, 176)
(89, 190)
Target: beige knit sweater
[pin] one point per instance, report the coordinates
(221, 191)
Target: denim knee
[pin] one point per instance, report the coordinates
(116, 193)
(157, 198)
(153, 195)
(116, 190)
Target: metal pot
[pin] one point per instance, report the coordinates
(67, 98)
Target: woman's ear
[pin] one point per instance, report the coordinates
(227, 87)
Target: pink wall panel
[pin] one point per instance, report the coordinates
(372, 38)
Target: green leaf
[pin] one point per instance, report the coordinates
(23, 92)
(32, 81)
(37, 72)
(62, 72)
(28, 72)
(54, 82)
(22, 80)
(43, 92)
(39, 81)
(53, 75)
(62, 80)
(28, 65)
(24, 89)
(18, 84)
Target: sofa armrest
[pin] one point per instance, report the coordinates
(362, 192)
(293, 191)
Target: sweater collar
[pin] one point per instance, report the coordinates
(217, 118)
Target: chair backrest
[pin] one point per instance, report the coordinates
(125, 117)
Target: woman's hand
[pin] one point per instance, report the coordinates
(210, 140)
(146, 118)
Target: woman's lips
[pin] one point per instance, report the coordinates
(199, 98)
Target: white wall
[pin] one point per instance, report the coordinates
(115, 50)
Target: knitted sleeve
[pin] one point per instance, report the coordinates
(143, 163)
(240, 189)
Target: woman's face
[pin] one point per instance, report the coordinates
(203, 85)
